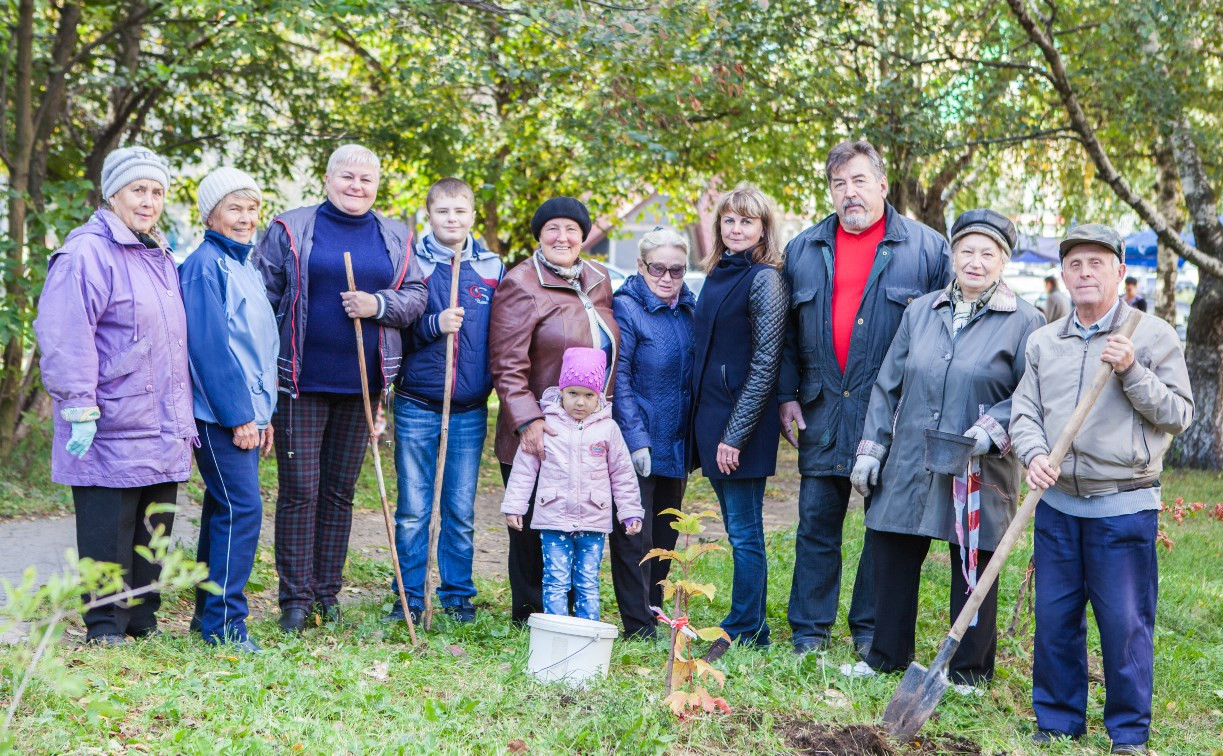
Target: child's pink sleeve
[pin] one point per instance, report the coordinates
(625, 491)
(518, 488)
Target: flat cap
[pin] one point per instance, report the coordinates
(1093, 233)
(992, 224)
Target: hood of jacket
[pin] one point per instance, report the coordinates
(106, 225)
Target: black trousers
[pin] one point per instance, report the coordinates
(636, 584)
(110, 524)
(897, 562)
(525, 563)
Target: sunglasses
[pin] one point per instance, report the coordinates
(658, 270)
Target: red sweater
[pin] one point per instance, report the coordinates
(853, 256)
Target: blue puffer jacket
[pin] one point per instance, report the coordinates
(654, 370)
(423, 377)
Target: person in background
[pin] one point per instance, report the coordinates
(654, 311)
(1133, 297)
(113, 338)
(1057, 304)
(851, 276)
(1095, 526)
(321, 433)
(586, 466)
(232, 342)
(419, 394)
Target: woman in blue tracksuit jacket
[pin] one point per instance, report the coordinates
(232, 342)
(418, 414)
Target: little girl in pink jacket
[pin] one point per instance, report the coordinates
(586, 466)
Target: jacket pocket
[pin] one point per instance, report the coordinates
(902, 295)
(809, 390)
(126, 395)
(600, 499)
(802, 296)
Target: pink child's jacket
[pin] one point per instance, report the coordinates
(587, 465)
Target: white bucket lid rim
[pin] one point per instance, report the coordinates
(559, 623)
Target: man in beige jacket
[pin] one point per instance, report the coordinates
(1095, 526)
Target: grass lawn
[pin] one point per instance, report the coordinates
(353, 688)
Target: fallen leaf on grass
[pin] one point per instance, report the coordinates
(455, 650)
(517, 746)
(380, 671)
(835, 698)
(643, 671)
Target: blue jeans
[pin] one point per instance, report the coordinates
(742, 502)
(571, 560)
(816, 590)
(1111, 562)
(229, 529)
(417, 434)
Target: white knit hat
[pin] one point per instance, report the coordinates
(128, 164)
(223, 181)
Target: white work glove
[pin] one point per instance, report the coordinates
(641, 462)
(865, 474)
(978, 434)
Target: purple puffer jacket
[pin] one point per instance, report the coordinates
(586, 466)
(113, 335)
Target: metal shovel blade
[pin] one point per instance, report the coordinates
(918, 694)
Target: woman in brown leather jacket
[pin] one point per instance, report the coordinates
(547, 303)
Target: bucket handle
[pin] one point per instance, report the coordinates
(589, 643)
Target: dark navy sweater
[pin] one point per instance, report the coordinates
(329, 350)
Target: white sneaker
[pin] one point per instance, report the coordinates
(861, 669)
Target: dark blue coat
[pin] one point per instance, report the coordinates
(423, 377)
(654, 366)
(739, 321)
(912, 259)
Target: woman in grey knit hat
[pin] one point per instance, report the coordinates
(113, 338)
(232, 344)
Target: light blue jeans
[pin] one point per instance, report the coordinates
(417, 434)
(571, 560)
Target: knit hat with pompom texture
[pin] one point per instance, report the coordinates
(585, 367)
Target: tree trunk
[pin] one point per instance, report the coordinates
(1167, 185)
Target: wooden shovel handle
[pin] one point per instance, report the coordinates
(1020, 523)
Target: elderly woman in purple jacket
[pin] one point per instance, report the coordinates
(113, 338)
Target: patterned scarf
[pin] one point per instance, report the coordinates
(965, 310)
(571, 274)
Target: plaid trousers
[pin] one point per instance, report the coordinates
(320, 446)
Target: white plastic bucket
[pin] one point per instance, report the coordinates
(571, 649)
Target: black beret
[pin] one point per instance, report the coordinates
(561, 207)
(984, 221)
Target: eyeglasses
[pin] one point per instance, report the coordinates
(658, 270)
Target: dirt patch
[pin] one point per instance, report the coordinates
(863, 740)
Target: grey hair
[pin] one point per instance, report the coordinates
(243, 194)
(353, 154)
(846, 151)
(662, 237)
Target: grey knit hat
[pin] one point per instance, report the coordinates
(128, 164)
(223, 181)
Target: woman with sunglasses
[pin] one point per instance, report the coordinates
(654, 311)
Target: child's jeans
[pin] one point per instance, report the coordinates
(571, 560)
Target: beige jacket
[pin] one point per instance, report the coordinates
(1122, 442)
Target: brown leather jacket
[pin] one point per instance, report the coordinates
(536, 316)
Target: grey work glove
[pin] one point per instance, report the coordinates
(865, 474)
(979, 434)
(641, 462)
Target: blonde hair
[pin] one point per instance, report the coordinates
(353, 154)
(662, 237)
(449, 188)
(750, 202)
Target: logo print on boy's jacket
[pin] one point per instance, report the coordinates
(598, 449)
(479, 293)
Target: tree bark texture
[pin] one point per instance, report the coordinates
(1167, 185)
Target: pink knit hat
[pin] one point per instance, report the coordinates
(584, 366)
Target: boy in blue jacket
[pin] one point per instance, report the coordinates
(418, 404)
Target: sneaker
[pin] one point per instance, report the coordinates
(855, 671)
(1134, 749)
(396, 615)
(717, 650)
(463, 613)
(802, 648)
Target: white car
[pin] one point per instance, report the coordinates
(694, 278)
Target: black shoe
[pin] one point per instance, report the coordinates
(862, 646)
(802, 648)
(293, 620)
(106, 640)
(396, 615)
(1043, 737)
(717, 650)
(1134, 749)
(146, 632)
(462, 614)
(197, 623)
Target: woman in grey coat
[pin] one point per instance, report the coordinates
(955, 361)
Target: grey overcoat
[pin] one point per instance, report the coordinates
(930, 380)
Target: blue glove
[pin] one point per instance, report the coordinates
(82, 438)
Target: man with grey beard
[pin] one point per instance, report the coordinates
(851, 276)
